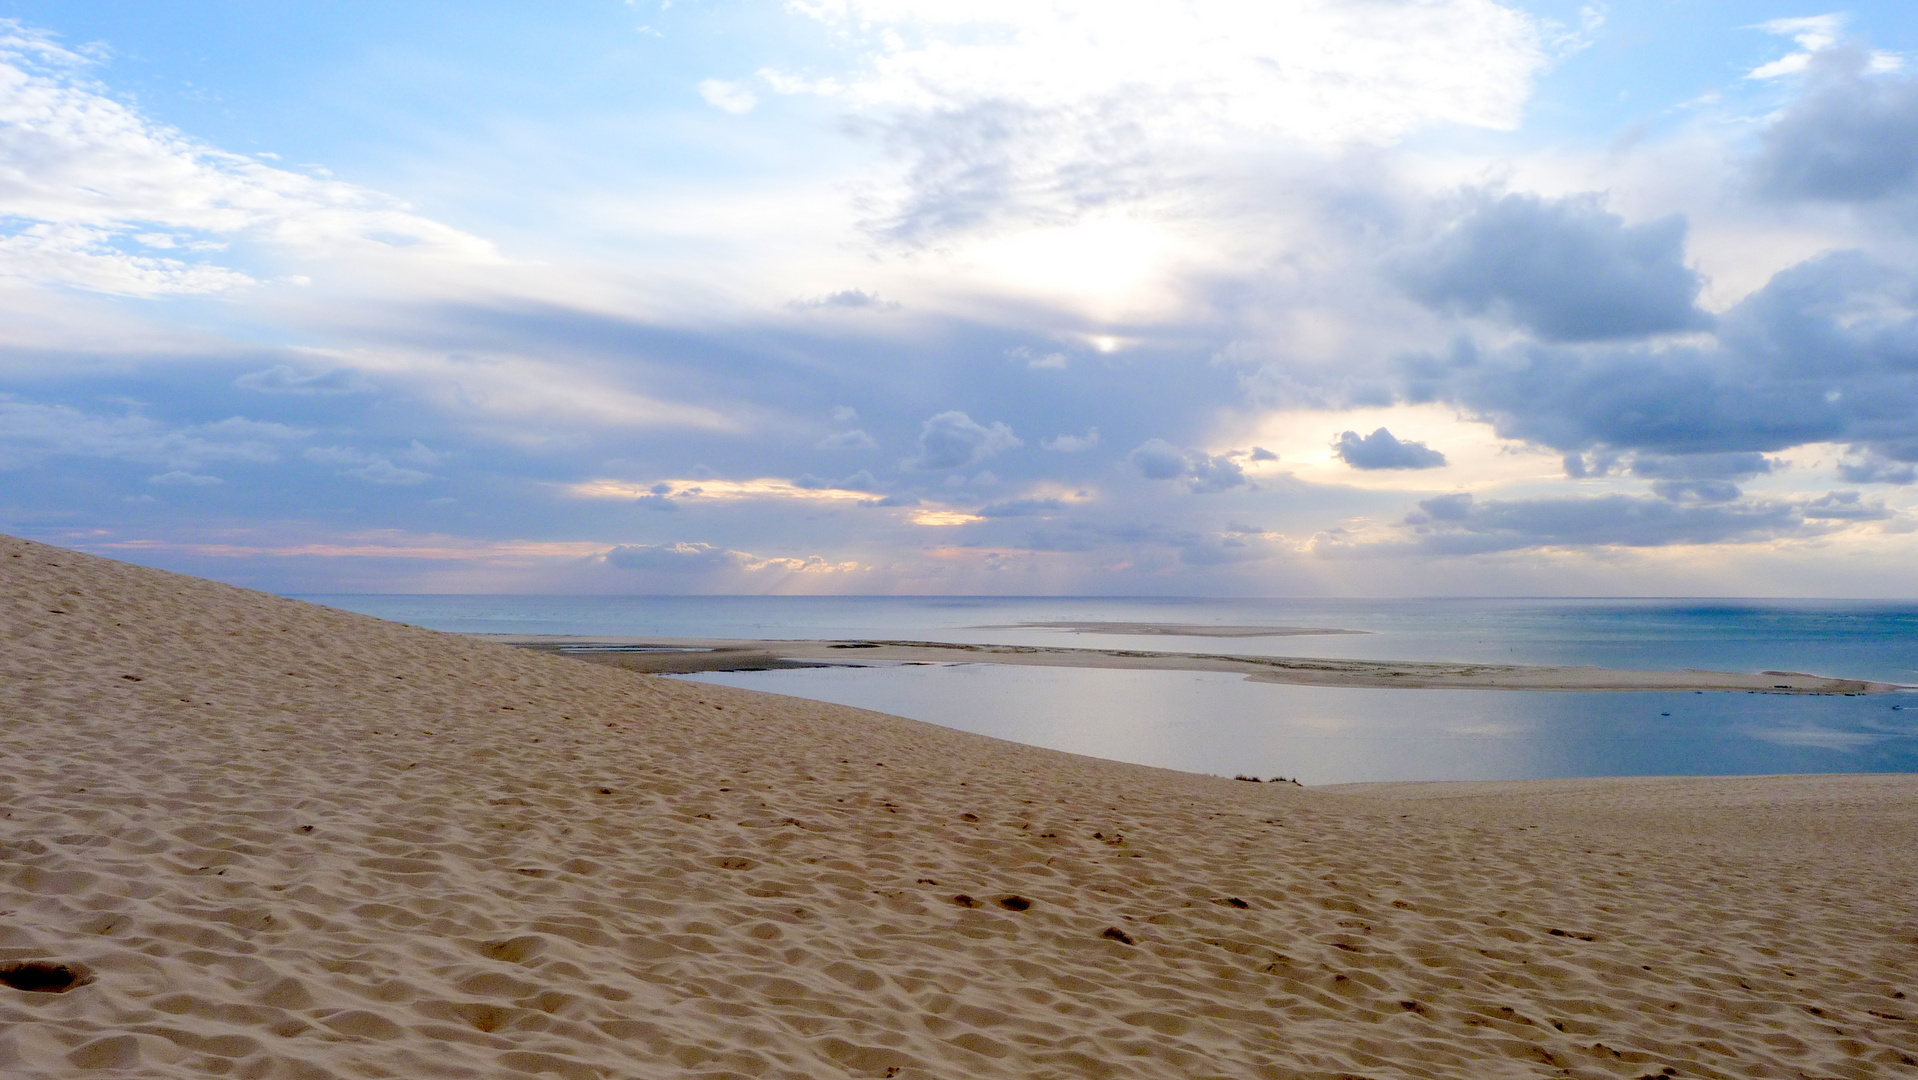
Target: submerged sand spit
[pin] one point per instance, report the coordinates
(292, 842)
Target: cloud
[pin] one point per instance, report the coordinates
(1700, 478)
(1827, 351)
(704, 488)
(1021, 508)
(1072, 444)
(684, 558)
(852, 299)
(1845, 506)
(1849, 138)
(728, 96)
(1812, 33)
(1260, 453)
(1156, 459)
(98, 196)
(1565, 269)
(1383, 450)
(1459, 525)
(953, 440)
(182, 477)
(1696, 491)
(281, 379)
(372, 468)
(1875, 468)
(847, 440)
(1044, 110)
(1733, 466)
(31, 432)
(678, 557)
(1052, 361)
(1305, 68)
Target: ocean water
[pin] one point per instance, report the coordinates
(1218, 723)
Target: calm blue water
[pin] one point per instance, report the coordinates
(1222, 724)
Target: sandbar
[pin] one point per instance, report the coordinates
(685, 655)
(1153, 629)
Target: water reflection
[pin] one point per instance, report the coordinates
(1220, 723)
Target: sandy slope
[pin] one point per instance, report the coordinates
(305, 843)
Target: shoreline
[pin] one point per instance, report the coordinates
(680, 656)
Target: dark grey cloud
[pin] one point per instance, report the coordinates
(1021, 508)
(953, 440)
(1565, 269)
(1383, 450)
(1827, 351)
(1875, 468)
(855, 439)
(862, 480)
(1156, 459)
(1697, 491)
(1852, 137)
(1458, 525)
(1600, 462)
(1700, 478)
(1845, 506)
(1702, 466)
(680, 557)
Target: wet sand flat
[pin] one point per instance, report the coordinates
(267, 839)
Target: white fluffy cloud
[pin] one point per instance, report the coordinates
(1312, 69)
(1042, 112)
(101, 197)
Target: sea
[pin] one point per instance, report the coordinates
(1222, 724)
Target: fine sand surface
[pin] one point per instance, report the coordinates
(1153, 629)
(682, 655)
(285, 841)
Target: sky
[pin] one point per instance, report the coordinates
(1046, 297)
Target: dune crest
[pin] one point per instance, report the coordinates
(269, 839)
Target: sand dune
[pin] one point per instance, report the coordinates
(275, 840)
